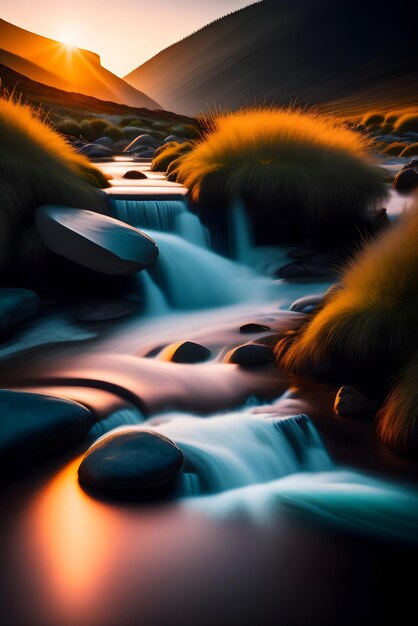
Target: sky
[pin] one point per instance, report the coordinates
(125, 33)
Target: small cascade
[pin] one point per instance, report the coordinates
(158, 214)
(192, 277)
(241, 232)
(242, 449)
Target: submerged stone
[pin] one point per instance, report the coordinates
(33, 424)
(131, 460)
(252, 327)
(96, 241)
(186, 352)
(16, 305)
(104, 310)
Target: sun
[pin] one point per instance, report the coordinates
(67, 38)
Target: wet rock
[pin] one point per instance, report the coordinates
(96, 151)
(95, 241)
(103, 310)
(292, 270)
(186, 352)
(104, 141)
(252, 327)
(175, 139)
(134, 175)
(350, 402)
(406, 180)
(143, 140)
(307, 304)
(16, 305)
(250, 354)
(411, 164)
(131, 461)
(33, 424)
(154, 351)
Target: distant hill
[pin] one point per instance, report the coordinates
(74, 69)
(69, 104)
(336, 53)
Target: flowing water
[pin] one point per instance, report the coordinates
(103, 564)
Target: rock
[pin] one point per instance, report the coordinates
(96, 150)
(16, 305)
(103, 310)
(175, 139)
(144, 153)
(306, 304)
(134, 175)
(32, 424)
(143, 140)
(292, 270)
(411, 164)
(104, 141)
(131, 132)
(154, 351)
(253, 328)
(349, 402)
(131, 461)
(186, 352)
(250, 354)
(406, 180)
(95, 241)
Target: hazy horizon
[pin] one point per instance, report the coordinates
(124, 35)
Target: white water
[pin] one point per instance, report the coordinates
(241, 449)
(192, 277)
(156, 214)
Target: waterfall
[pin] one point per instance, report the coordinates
(192, 277)
(241, 234)
(169, 215)
(240, 449)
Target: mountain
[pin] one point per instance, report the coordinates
(59, 103)
(57, 65)
(329, 52)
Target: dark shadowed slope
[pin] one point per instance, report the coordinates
(57, 65)
(58, 102)
(312, 51)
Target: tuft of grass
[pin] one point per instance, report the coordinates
(395, 148)
(168, 153)
(410, 151)
(113, 132)
(372, 118)
(69, 127)
(368, 327)
(407, 123)
(37, 166)
(398, 417)
(285, 165)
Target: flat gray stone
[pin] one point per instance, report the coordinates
(33, 424)
(131, 460)
(16, 305)
(96, 241)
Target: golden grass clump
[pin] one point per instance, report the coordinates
(407, 123)
(37, 166)
(410, 151)
(285, 164)
(398, 417)
(373, 118)
(370, 324)
(395, 148)
(168, 153)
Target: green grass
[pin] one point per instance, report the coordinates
(37, 166)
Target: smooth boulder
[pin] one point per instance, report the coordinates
(34, 424)
(16, 305)
(350, 402)
(131, 461)
(96, 241)
(250, 354)
(307, 304)
(134, 175)
(143, 140)
(406, 180)
(185, 352)
(253, 327)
